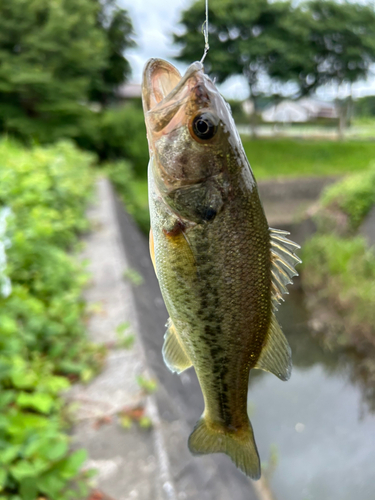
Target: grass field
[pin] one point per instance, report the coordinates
(282, 158)
(293, 158)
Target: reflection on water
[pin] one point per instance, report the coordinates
(321, 421)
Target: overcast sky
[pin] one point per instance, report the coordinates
(155, 20)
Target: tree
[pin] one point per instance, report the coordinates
(53, 55)
(118, 29)
(248, 38)
(342, 40)
(310, 44)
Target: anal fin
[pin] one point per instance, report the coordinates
(276, 355)
(174, 354)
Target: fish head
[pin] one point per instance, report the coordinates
(190, 129)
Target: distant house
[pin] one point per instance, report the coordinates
(319, 109)
(300, 111)
(129, 91)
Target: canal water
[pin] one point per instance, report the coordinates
(316, 432)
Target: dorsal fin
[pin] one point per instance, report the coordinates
(283, 260)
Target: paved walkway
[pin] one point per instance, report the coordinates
(179, 398)
(140, 464)
(127, 460)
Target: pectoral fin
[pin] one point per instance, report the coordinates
(276, 355)
(174, 353)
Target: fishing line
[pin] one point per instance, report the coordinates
(205, 34)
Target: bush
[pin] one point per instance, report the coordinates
(42, 334)
(338, 268)
(118, 133)
(342, 272)
(355, 195)
(133, 192)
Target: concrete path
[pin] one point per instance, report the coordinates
(128, 460)
(179, 398)
(136, 463)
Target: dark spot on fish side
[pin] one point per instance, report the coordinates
(208, 330)
(209, 214)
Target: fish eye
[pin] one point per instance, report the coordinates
(204, 126)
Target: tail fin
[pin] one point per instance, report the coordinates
(239, 446)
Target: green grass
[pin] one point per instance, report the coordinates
(340, 272)
(292, 158)
(338, 268)
(269, 158)
(132, 190)
(354, 196)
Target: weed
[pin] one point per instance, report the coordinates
(133, 276)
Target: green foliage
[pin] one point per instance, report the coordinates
(133, 276)
(342, 39)
(148, 385)
(289, 157)
(238, 113)
(338, 268)
(55, 56)
(355, 195)
(132, 191)
(245, 38)
(309, 43)
(118, 133)
(42, 334)
(268, 158)
(342, 272)
(118, 29)
(124, 339)
(365, 106)
(123, 135)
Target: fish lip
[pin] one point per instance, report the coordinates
(153, 64)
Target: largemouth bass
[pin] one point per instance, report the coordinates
(222, 271)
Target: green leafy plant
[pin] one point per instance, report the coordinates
(340, 272)
(133, 276)
(42, 332)
(133, 192)
(147, 384)
(124, 339)
(338, 268)
(354, 195)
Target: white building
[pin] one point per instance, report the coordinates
(305, 109)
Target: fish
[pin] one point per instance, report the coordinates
(222, 271)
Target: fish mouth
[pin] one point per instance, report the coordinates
(165, 92)
(162, 82)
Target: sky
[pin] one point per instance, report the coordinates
(154, 22)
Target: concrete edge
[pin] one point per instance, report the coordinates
(168, 489)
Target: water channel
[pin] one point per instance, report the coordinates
(318, 429)
(318, 426)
